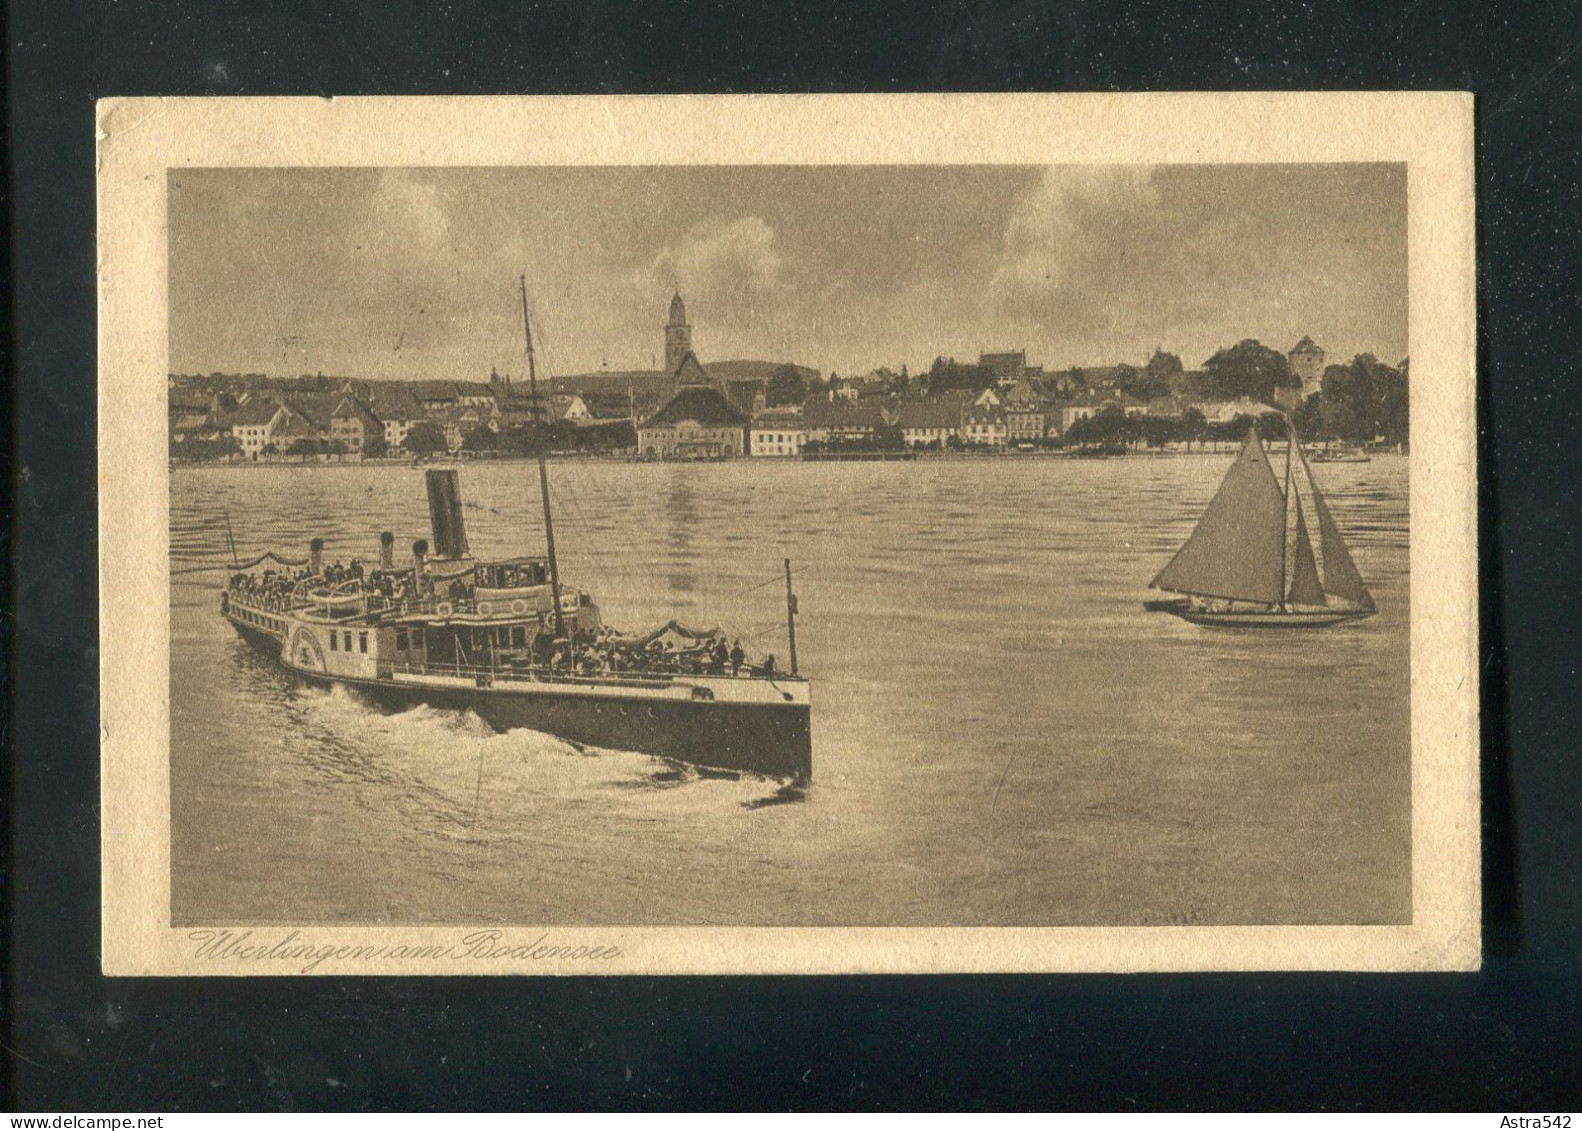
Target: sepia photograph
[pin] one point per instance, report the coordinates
(560, 557)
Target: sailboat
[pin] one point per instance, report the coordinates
(1251, 562)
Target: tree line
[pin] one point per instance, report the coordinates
(1360, 401)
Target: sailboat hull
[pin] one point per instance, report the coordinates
(1274, 618)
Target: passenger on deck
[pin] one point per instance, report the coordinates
(737, 656)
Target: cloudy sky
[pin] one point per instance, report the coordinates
(412, 272)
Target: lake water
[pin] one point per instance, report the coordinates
(1001, 734)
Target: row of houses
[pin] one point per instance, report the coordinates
(350, 418)
(699, 422)
(986, 420)
(702, 423)
(708, 416)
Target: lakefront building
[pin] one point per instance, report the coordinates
(984, 425)
(778, 434)
(837, 422)
(253, 425)
(697, 423)
(352, 424)
(927, 424)
(1024, 423)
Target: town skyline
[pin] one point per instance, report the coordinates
(409, 274)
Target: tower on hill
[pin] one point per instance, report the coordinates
(678, 335)
(1307, 362)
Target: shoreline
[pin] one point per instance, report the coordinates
(175, 465)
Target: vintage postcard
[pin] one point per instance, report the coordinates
(788, 534)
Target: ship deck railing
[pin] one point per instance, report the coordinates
(272, 603)
(350, 606)
(485, 674)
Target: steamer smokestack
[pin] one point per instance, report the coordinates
(316, 556)
(386, 551)
(444, 512)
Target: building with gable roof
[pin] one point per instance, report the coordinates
(254, 423)
(1008, 368)
(1029, 390)
(697, 423)
(985, 424)
(292, 431)
(397, 410)
(689, 371)
(475, 394)
(318, 409)
(437, 395)
(193, 426)
(840, 421)
(926, 424)
(570, 407)
(460, 421)
(352, 424)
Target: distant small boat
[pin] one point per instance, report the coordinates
(1340, 455)
(1250, 562)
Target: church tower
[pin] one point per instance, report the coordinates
(678, 335)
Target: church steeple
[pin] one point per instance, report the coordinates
(678, 334)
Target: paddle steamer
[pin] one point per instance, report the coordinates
(506, 639)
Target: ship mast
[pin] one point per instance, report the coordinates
(543, 471)
(1285, 515)
(790, 617)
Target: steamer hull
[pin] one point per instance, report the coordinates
(760, 738)
(753, 725)
(506, 639)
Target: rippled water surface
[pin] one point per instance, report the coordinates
(1002, 736)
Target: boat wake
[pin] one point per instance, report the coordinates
(432, 762)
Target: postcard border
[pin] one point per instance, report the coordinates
(140, 139)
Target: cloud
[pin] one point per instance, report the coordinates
(1070, 232)
(724, 261)
(405, 214)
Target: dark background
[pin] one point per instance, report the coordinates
(1509, 1038)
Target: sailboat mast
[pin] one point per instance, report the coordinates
(1290, 445)
(543, 471)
